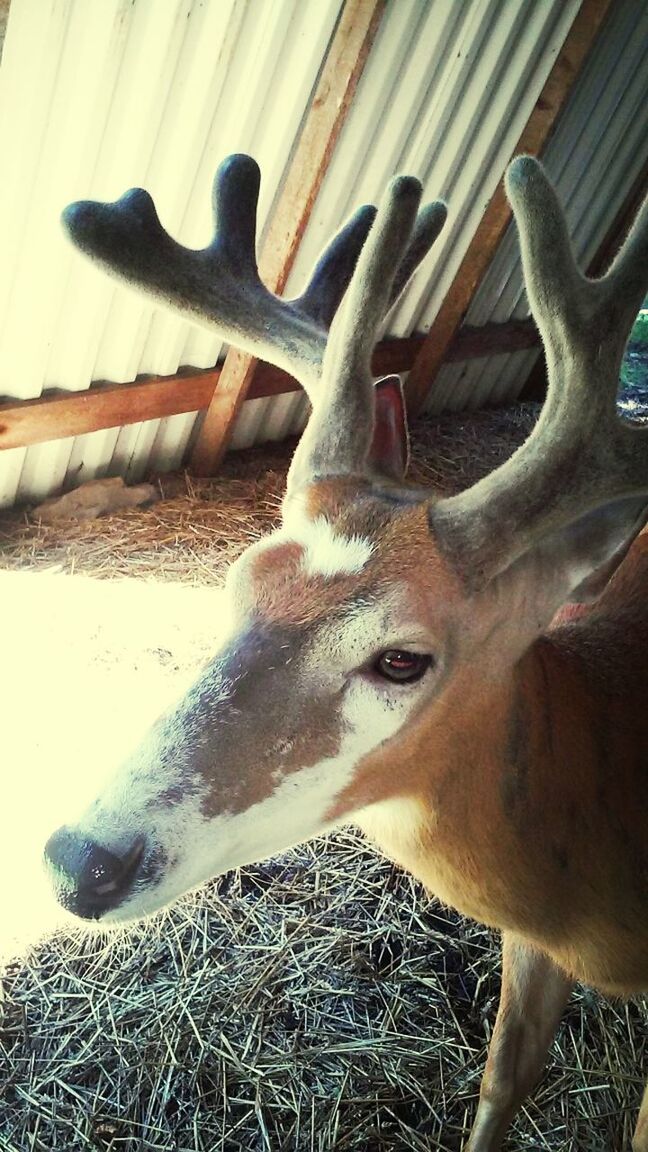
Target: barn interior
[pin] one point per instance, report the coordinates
(322, 999)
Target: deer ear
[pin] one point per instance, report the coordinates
(588, 550)
(389, 453)
(607, 534)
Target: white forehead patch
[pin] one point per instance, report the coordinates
(326, 552)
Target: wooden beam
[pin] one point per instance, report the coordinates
(61, 414)
(25, 422)
(338, 81)
(55, 416)
(471, 342)
(495, 220)
(399, 354)
(536, 383)
(390, 356)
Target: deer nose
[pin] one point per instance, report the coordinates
(89, 879)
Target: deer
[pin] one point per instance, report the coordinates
(463, 677)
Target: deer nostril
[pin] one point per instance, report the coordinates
(110, 872)
(89, 879)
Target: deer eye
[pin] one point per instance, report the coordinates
(402, 667)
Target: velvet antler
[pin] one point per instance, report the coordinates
(219, 286)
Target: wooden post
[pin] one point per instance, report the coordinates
(338, 81)
(495, 220)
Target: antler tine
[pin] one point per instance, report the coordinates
(369, 295)
(340, 431)
(334, 269)
(219, 286)
(429, 223)
(564, 302)
(580, 454)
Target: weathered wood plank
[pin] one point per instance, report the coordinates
(55, 416)
(338, 80)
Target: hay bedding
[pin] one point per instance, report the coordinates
(317, 1001)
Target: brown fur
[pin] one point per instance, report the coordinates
(518, 791)
(531, 773)
(283, 594)
(532, 781)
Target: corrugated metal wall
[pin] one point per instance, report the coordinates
(100, 95)
(444, 96)
(595, 155)
(97, 96)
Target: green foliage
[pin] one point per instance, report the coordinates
(634, 370)
(639, 334)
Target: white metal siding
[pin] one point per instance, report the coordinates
(444, 96)
(595, 155)
(100, 95)
(97, 96)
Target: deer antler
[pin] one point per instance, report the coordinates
(580, 455)
(219, 286)
(341, 427)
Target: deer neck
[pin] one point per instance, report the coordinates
(512, 780)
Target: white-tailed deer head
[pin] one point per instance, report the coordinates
(350, 623)
(303, 611)
(386, 663)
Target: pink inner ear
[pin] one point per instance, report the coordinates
(390, 447)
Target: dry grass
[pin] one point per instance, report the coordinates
(318, 1001)
(202, 525)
